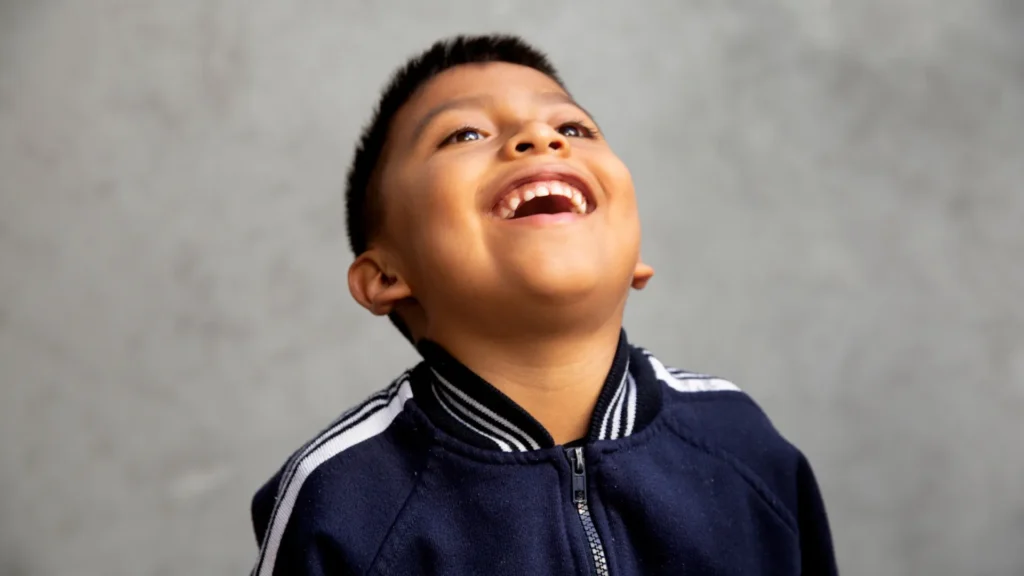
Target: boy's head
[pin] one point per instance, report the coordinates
(483, 200)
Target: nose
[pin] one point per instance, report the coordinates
(537, 138)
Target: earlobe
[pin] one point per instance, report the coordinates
(373, 287)
(641, 275)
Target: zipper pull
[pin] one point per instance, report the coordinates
(579, 474)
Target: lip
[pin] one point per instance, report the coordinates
(541, 173)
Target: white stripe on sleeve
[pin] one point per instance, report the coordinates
(703, 384)
(375, 423)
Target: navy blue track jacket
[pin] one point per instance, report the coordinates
(441, 473)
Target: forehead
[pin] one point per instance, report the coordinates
(492, 80)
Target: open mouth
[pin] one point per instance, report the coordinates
(543, 197)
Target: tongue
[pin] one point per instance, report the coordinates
(552, 204)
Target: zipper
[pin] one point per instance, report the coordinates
(579, 499)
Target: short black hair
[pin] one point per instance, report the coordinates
(363, 210)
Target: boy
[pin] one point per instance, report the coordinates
(500, 233)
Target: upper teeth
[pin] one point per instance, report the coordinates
(507, 207)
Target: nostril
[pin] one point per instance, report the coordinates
(555, 145)
(523, 146)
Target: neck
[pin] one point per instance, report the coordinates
(556, 378)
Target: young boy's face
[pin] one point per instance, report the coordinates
(464, 157)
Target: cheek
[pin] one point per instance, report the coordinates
(449, 184)
(436, 193)
(438, 222)
(618, 181)
(624, 215)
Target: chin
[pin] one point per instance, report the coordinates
(562, 283)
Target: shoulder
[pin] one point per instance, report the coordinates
(350, 474)
(716, 416)
(339, 442)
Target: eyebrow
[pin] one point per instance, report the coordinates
(479, 101)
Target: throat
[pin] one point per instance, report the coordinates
(563, 410)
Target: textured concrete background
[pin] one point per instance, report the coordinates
(832, 194)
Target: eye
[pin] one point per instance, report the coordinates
(463, 135)
(576, 130)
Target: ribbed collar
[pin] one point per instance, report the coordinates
(470, 408)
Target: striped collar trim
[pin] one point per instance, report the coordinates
(472, 409)
(488, 423)
(619, 419)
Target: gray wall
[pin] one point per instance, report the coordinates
(832, 195)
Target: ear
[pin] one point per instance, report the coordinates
(641, 275)
(374, 286)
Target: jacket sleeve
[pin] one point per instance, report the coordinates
(287, 549)
(263, 507)
(817, 553)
